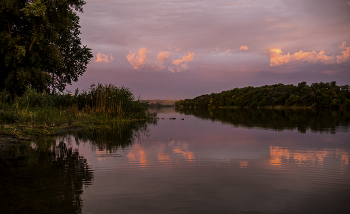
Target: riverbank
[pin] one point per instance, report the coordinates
(46, 114)
(49, 122)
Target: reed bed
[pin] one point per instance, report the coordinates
(36, 113)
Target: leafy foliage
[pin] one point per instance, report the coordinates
(39, 44)
(316, 95)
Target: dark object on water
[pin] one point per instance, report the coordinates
(172, 118)
(182, 118)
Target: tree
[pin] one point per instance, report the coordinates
(40, 45)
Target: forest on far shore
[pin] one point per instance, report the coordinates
(318, 95)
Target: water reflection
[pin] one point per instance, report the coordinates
(110, 140)
(280, 155)
(243, 164)
(138, 154)
(160, 152)
(181, 149)
(316, 120)
(188, 166)
(46, 177)
(204, 176)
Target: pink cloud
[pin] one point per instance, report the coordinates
(314, 57)
(344, 54)
(104, 58)
(181, 64)
(163, 56)
(243, 48)
(142, 61)
(185, 58)
(228, 50)
(138, 60)
(277, 58)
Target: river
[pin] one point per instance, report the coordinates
(188, 161)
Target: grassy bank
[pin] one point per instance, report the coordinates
(38, 114)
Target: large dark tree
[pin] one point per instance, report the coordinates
(40, 45)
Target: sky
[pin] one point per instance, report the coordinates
(179, 49)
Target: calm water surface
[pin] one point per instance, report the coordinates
(220, 161)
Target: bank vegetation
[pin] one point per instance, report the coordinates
(36, 114)
(317, 95)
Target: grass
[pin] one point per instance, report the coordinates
(39, 114)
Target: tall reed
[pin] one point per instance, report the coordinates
(110, 100)
(100, 99)
(101, 106)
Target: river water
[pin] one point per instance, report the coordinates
(193, 161)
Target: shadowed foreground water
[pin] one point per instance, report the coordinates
(211, 162)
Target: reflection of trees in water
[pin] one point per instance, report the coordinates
(46, 179)
(111, 139)
(318, 120)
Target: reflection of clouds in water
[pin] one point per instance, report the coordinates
(186, 154)
(163, 157)
(344, 157)
(138, 154)
(174, 150)
(104, 156)
(161, 153)
(243, 164)
(278, 155)
(181, 148)
(100, 156)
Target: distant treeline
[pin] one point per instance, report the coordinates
(159, 103)
(321, 95)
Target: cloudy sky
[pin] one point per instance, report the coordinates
(177, 49)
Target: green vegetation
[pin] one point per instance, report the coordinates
(102, 107)
(40, 45)
(40, 53)
(320, 95)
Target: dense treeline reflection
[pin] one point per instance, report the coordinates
(42, 178)
(317, 120)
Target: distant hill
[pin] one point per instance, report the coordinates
(160, 102)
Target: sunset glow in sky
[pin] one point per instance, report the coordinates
(177, 49)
